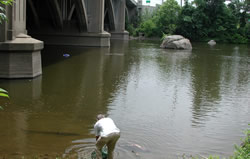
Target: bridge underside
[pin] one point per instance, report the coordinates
(67, 22)
(77, 22)
(57, 22)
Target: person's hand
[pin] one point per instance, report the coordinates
(97, 137)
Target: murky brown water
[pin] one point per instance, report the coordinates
(167, 103)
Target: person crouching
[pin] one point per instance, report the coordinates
(106, 134)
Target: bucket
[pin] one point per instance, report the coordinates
(104, 153)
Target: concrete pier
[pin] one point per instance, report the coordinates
(119, 10)
(56, 22)
(20, 55)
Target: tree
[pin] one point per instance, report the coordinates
(241, 10)
(187, 25)
(213, 19)
(163, 21)
(149, 28)
(167, 16)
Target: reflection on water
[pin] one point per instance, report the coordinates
(80, 149)
(167, 103)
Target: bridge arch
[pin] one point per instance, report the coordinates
(109, 16)
(57, 22)
(57, 14)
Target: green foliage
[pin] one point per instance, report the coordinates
(146, 24)
(131, 25)
(246, 31)
(243, 152)
(167, 17)
(239, 39)
(2, 10)
(2, 15)
(164, 20)
(148, 28)
(147, 14)
(201, 20)
(189, 22)
(131, 29)
(240, 9)
(214, 20)
(3, 93)
(6, 2)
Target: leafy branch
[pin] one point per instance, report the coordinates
(6, 2)
(3, 93)
(2, 10)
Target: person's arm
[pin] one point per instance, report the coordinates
(96, 131)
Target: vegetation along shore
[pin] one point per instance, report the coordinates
(198, 20)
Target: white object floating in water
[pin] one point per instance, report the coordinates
(212, 42)
(66, 55)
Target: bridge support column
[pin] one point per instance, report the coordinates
(120, 32)
(19, 53)
(95, 11)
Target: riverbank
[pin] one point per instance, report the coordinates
(224, 23)
(241, 152)
(160, 40)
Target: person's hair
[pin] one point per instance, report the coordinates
(100, 116)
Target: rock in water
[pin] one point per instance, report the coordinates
(212, 42)
(176, 42)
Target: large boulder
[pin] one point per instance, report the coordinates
(176, 42)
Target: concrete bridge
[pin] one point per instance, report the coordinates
(31, 23)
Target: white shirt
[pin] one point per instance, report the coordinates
(104, 127)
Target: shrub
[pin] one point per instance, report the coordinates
(243, 151)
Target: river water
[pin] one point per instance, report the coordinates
(168, 104)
